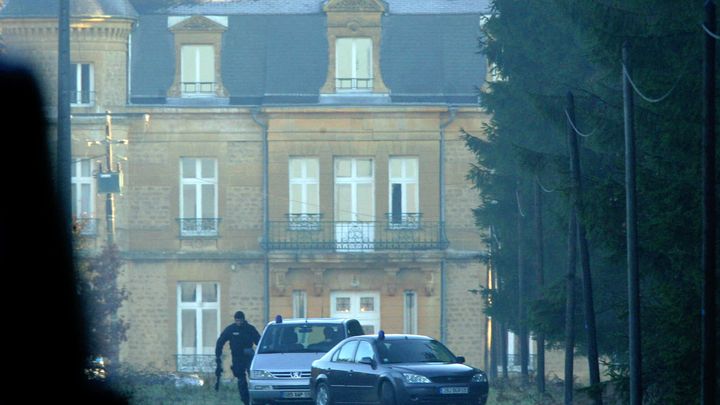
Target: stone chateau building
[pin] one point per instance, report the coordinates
(300, 158)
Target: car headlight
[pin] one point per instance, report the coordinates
(415, 378)
(479, 378)
(260, 374)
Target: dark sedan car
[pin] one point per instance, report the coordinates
(395, 369)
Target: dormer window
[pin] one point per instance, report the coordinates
(353, 69)
(82, 91)
(494, 74)
(198, 42)
(354, 32)
(198, 70)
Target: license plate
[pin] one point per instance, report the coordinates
(296, 394)
(453, 390)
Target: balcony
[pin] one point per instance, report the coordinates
(304, 222)
(404, 220)
(198, 89)
(198, 227)
(354, 83)
(82, 98)
(87, 226)
(398, 232)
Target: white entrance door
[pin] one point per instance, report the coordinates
(354, 204)
(363, 306)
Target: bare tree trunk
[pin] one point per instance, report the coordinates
(501, 337)
(540, 278)
(570, 310)
(503, 349)
(494, 348)
(522, 326)
(708, 350)
(590, 328)
(494, 330)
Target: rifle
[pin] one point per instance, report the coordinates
(218, 372)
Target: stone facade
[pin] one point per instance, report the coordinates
(162, 265)
(104, 42)
(466, 325)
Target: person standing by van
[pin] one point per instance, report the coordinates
(242, 336)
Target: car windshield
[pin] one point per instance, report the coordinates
(414, 351)
(298, 338)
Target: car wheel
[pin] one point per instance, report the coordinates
(387, 394)
(322, 395)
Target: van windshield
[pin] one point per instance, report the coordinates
(299, 338)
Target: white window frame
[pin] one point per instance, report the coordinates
(354, 181)
(76, 97)
(204, 352)
(356, 234)
(410, 312)
(307, 218)
(512, 338)
(365, 318)
(303, 181)
(299, 301)
(199, 88)
(83, 187)
(202, 226)
(404, 179)
(353, 65)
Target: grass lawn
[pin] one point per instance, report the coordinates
(513, 391)
(502, 392)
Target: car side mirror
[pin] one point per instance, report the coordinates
(460, 359)
(368, 360)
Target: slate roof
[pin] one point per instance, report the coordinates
(78, 8)
(276, 51)
(283, 59)
(315, 6)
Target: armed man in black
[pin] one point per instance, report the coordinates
(242, 336)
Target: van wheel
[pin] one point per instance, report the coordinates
(322, 395)
(387, 394)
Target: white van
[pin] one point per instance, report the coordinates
(280, 369)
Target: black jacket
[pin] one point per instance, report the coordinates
(240, 338)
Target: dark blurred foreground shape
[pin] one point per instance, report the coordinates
(44, 336)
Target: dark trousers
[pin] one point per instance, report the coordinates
(240, 371)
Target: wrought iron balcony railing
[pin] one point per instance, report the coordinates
(304, 222)
(198, 88)
(82, 98)
(404, 220)
(354, 83)
(204, 363)
(308, 232)
(87, 226)
(198, 227)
